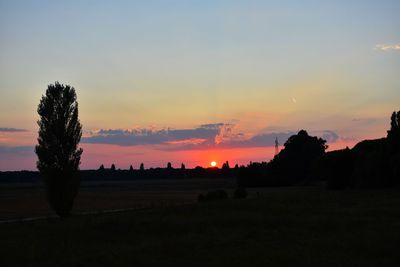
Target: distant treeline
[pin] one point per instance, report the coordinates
(303, 161)
(130, 174)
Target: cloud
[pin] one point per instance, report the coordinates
(191, 141)
(12, 130)
(206, 136)
(329, 136)
(206, 132)
(16, 150)
(387, 47)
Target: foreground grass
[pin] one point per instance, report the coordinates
(281, 228)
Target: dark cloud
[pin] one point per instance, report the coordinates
(261, 140)
(329, 136)
(12, 130)
(219, 135)
(208, 132)
(16, 150)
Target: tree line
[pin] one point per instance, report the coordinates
(304, 161)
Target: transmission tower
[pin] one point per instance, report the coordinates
(276, 146)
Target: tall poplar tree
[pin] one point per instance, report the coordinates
(58, 154)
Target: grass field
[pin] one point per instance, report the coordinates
(281, 228)
(29, 199)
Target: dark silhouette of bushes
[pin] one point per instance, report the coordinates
(252, 175)
(213, 196)
(371, 163)
(58, 154)
(336, 167)
(295, 162)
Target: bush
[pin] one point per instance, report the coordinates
(213, 196)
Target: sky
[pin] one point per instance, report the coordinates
(198, 81)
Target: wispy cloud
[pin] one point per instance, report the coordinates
(387, 47)
(16, 150)
(11, 130)
(191, 141)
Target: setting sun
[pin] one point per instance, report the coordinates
(213, 164)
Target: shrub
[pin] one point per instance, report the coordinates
(213, 196)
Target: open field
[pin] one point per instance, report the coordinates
(282, 227)
(29, 200)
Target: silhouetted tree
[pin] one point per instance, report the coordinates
(169, 165)
(393, 134)
(113, 167)
(252, 175)
(58, 154)
(131, 168)
(141, 166)
(183, 166)
(391, 157)
(101, 168)
(371, 163)
(295, 161)
(225, 166)
(336, 168)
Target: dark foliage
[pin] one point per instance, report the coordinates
(371, 163)
(113, 167)
(377, 162)
(336, 167)
(252, 175)
(213, 196)
(295, 162)
(393, 134)
(370, 158)
(119, 175)
(225, 165)
(57, 150)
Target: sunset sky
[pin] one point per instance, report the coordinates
(198, 81)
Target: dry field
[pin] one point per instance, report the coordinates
(29, 200)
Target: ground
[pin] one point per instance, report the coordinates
(281, 227)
